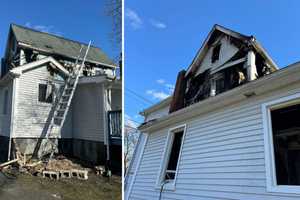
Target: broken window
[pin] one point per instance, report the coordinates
(220, 84)
(45, 93)
(173, 157)
(5, 102)
(286, 143)
(216, 53)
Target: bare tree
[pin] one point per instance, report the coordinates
(114, 10)
(131, 135)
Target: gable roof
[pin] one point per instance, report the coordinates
(38, 63)
(215, 32)
(53, 44)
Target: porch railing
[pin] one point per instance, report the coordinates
(115, 123)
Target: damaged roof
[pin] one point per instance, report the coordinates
(54, 44)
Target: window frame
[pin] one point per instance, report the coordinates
(271, 179)
(166, 156)
(38, 94)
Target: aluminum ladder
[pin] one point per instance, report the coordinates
(63, 102)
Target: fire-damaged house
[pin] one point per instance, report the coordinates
(231, 129)
(58, 96)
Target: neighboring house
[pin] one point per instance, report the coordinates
(33, 73)
(231, 130)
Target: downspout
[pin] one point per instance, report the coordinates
(106, 130)
(13, 106)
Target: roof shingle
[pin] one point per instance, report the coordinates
(57, 45)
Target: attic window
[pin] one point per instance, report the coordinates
(216, 53)
(169, 167)
(45, 93)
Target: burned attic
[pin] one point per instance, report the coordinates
(227, 60)
(58, 97)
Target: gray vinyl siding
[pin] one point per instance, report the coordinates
(116, 99)
(88, 112)
(5, 118)
(31, 116)
(222, 156)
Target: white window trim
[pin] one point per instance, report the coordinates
(268, 143)
(41, 103)
(165, 159)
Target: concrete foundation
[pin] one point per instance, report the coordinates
(90, 151)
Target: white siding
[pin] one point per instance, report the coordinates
(134, 162)
(222, 156)
(88, 112)
(30, 114)
(116, 99)
(158, 113)
(5, 118)
(226, 52)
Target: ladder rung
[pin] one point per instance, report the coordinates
(60, 118)
(61, 110)
(69, 88)
(66, 95)
(63, 102)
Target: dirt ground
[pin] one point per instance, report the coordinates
(27, 187)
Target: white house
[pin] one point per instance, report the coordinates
(231, 130)
(33, 73)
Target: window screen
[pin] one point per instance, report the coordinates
(174, 155)
(286, 143)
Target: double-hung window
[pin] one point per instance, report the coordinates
(171, 157)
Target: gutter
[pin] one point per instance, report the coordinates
(157, 106)
(257, 87)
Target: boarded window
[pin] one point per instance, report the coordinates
(5, 102)
(45, 93)
(216, 53)
(286, 143)
(174, 155)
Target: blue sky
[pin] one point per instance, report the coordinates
(74, 19)
(162, 37)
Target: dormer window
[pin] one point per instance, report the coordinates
(216, 53)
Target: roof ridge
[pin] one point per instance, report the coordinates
(51, 34)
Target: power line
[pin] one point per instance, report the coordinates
(132, 120)
(139, 96)
(133, 99)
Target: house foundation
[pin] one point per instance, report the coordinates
(85, 150)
